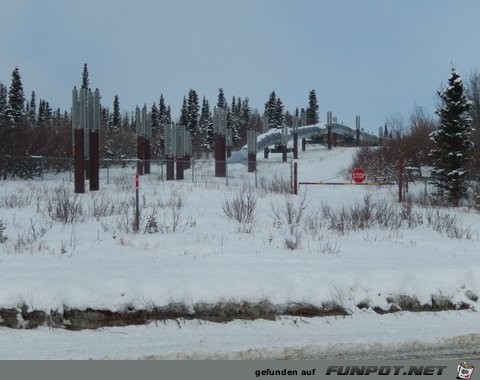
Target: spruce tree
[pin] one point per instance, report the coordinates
(206, 126)
(222, 102)
(163, 118)
(452, 141)
(193, 109)
(184, 113)
(116, 117)
(3, 99)
(85, 76)
(279, 115)
(32, 109)
(312, 109)
(155, 119)
(270, 110)
(16, 99)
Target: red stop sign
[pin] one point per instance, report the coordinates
(359, 175)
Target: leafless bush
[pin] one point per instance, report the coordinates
(30, 239)
(278, 183)
(241, 207)
(103, 206)
(387, 216)
(16, 199)
(124, 182)
(3, 237)
(447, 225)
(64, 207)
(151, 225)
(291, 213)
(327, 248)
(171, 218)
(293, 238)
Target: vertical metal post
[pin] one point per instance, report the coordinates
(291, 175)
(220, 124)
(94, 154)
(295, 179)
(251, 150)
(78, 120)
(295, 137)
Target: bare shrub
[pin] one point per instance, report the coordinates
(291, 213)
(63, 206)
(241, 206)
(327, 248)
(151, 225)
(30, 239)
(3, 237)
(102, 206)
(278, 183)
(293, 239)
(16, 200)
(172, 218)
(124, 182)
(447, 225)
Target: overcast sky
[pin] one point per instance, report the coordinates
(374, 58)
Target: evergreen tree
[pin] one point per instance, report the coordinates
(163, 117)
(184, 113)
(32, 109)
(279, 115)
(155, 119)
(206, 126)
(452, 141)
(85, 76)
(270, 110)
(222, 102)
(193, 109)
(3, 99)
(16, 99)
(169, 115)
(116, 117)
(312, 109)
(233, 120)
(245, 112)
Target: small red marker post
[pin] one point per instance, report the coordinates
(137, 204)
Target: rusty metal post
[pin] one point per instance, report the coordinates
(148, 157)
(251, 150)
(170, 163)
(220, 126)
(94, 161)
(140, 154)
(78, 118)
(79, 162)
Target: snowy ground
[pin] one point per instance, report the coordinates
(98, 262)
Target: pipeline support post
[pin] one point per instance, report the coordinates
(220, 128)
(252, 150)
